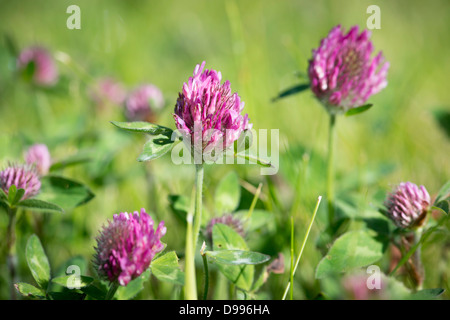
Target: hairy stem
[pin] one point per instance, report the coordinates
(192, 236)
(11, 256)
(205, 266)
(190, 288)
(198, 202)
(417, 268)
(330, 170)
(292, 260)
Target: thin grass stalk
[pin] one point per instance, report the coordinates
(302, 247)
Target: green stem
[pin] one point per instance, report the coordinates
(112, 291)
(292, 260)
(192, 236)
(11, 257)
(413, 249)
(417, 261)
(255, 199)
(190, 289)
(232, 289)
(198, 202)
(205, 266)
(330, 170)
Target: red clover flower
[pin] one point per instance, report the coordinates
(23, 177)
(126, 246)
(408, 205)
(342, 73)
(208, 114)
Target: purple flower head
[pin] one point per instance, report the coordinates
(107, 91)
(342, 72)
(39, 155)
(45, 72)
(408, 205)
(126, 246)
(229, 220)
(23, 177)
(208, 114)
(141, 104)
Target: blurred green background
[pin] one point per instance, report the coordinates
(261, 47)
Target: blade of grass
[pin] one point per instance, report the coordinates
(302, 247)
(255, 199)
(292, 259)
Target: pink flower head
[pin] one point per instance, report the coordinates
(39, 155)
(126, 246)
(408, 205)
(45, 72)
(142, 102)
(207, 113)
(342, 73)
(23, 177)
(107, 91)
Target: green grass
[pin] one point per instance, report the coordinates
(259, 46)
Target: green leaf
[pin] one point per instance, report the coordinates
(442, 201)
(133, 287)
(444, 193)
(358, 110)
(19, 195)
(225, 238)
(351, 250)
(166, 268)
(38, 261)
(29, 290)
(39, 205)
(72, 281)
(291, 91)
(74, 265)
(12, 194)
(95, 290)
(155, 147)
(259, 219)
(3, 195)
(4, 200)
(144, 127)
(64, 192)
(443, 206)
(228, 193)
(427, 294)
(237, 257)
